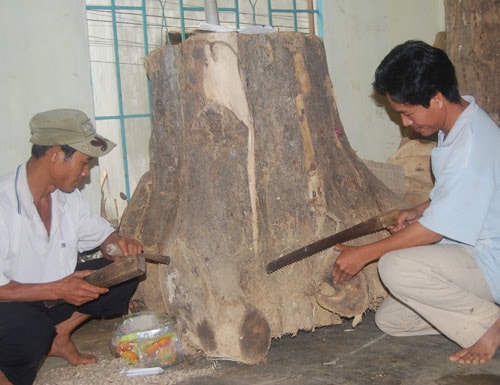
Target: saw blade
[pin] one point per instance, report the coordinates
(369, 226)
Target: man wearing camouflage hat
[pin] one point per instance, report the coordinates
(45, 223)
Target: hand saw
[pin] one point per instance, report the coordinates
(374, 224)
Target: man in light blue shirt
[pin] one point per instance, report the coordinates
(441, 265)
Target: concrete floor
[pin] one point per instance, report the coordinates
(336, 355)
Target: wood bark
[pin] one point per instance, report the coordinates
(473, 44)
(249, 160)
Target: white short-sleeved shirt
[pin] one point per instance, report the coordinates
(465, 200)
(27, 253)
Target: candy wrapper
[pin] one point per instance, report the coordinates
(147, 339)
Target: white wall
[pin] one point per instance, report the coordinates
(358, 34)
(44, 65)
(121, 178)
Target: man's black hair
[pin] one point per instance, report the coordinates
(414, 72)
(37, 151)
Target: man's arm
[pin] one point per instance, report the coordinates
(72, 289)
(409, 216)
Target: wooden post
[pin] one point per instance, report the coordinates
(211, 12)
(310, 6)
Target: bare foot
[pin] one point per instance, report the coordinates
(4, 380)
(483, 350)
(63, 346)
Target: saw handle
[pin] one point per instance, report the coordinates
(391, 219)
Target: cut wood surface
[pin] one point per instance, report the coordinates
(249, 161)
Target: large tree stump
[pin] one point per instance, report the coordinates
(473, 44)
(249, 160)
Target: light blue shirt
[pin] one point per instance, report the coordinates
(465, 200)
(28, 254)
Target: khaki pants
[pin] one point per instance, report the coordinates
(435, 289)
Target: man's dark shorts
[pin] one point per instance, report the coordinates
(27, 329)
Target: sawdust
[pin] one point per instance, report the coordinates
(107, 371)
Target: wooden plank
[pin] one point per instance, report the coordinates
(119, 271)
(110, 275)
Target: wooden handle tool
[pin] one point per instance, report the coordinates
(114, 250)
